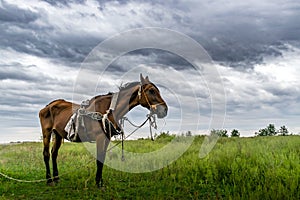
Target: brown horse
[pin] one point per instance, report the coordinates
(55, 116)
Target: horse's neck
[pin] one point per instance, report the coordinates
(128, 99)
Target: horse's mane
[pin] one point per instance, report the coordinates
(121, 87)
(101, 95)
(128, 85)
(132, 84)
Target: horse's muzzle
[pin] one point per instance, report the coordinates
(160, 110)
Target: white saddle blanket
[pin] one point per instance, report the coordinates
(70, 129)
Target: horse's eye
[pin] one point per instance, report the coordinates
(152, 91)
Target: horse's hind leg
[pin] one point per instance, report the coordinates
(54, 152)
(46, 153)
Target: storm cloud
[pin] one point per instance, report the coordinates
(232, 32)
(254, 44)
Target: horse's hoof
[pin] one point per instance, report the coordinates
(50, 183)
(99, 184)
(102, 188)
(56, 179)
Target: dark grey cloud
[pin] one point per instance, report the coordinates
(11, 14)
(242, 36)
(149, 55)
(16, 71)
(237, 34)
(41, 43)
(20, 32)
(63, 2)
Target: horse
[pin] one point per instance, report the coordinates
(55, 116)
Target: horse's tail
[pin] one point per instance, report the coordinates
(46, 121)
(45, 115)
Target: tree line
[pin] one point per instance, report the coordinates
(270, 130)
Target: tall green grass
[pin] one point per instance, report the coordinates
(237, 168)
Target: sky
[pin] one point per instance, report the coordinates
(253, 45)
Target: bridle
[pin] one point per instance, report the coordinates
(150, 117)
(141, 92)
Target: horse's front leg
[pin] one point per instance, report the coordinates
(102, 143)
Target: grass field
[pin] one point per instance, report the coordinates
(237, 168)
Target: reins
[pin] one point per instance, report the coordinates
(149, 116)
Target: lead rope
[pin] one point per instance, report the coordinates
(122, 135)
(152, 123)
(137, 127)
(123, 156)
(42, 180)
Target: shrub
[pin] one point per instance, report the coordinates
(268, 131)
(220, 133)
(235, 133)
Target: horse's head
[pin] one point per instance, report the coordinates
(149, 97)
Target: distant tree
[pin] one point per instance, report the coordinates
(220, 133)
(269, 131)
(163, 135)
(262, 132)
(283, 131)
(235, 133)
(188, 134)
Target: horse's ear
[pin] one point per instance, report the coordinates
(147, 79)
(144, 80)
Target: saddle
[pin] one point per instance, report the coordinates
(76, 121)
